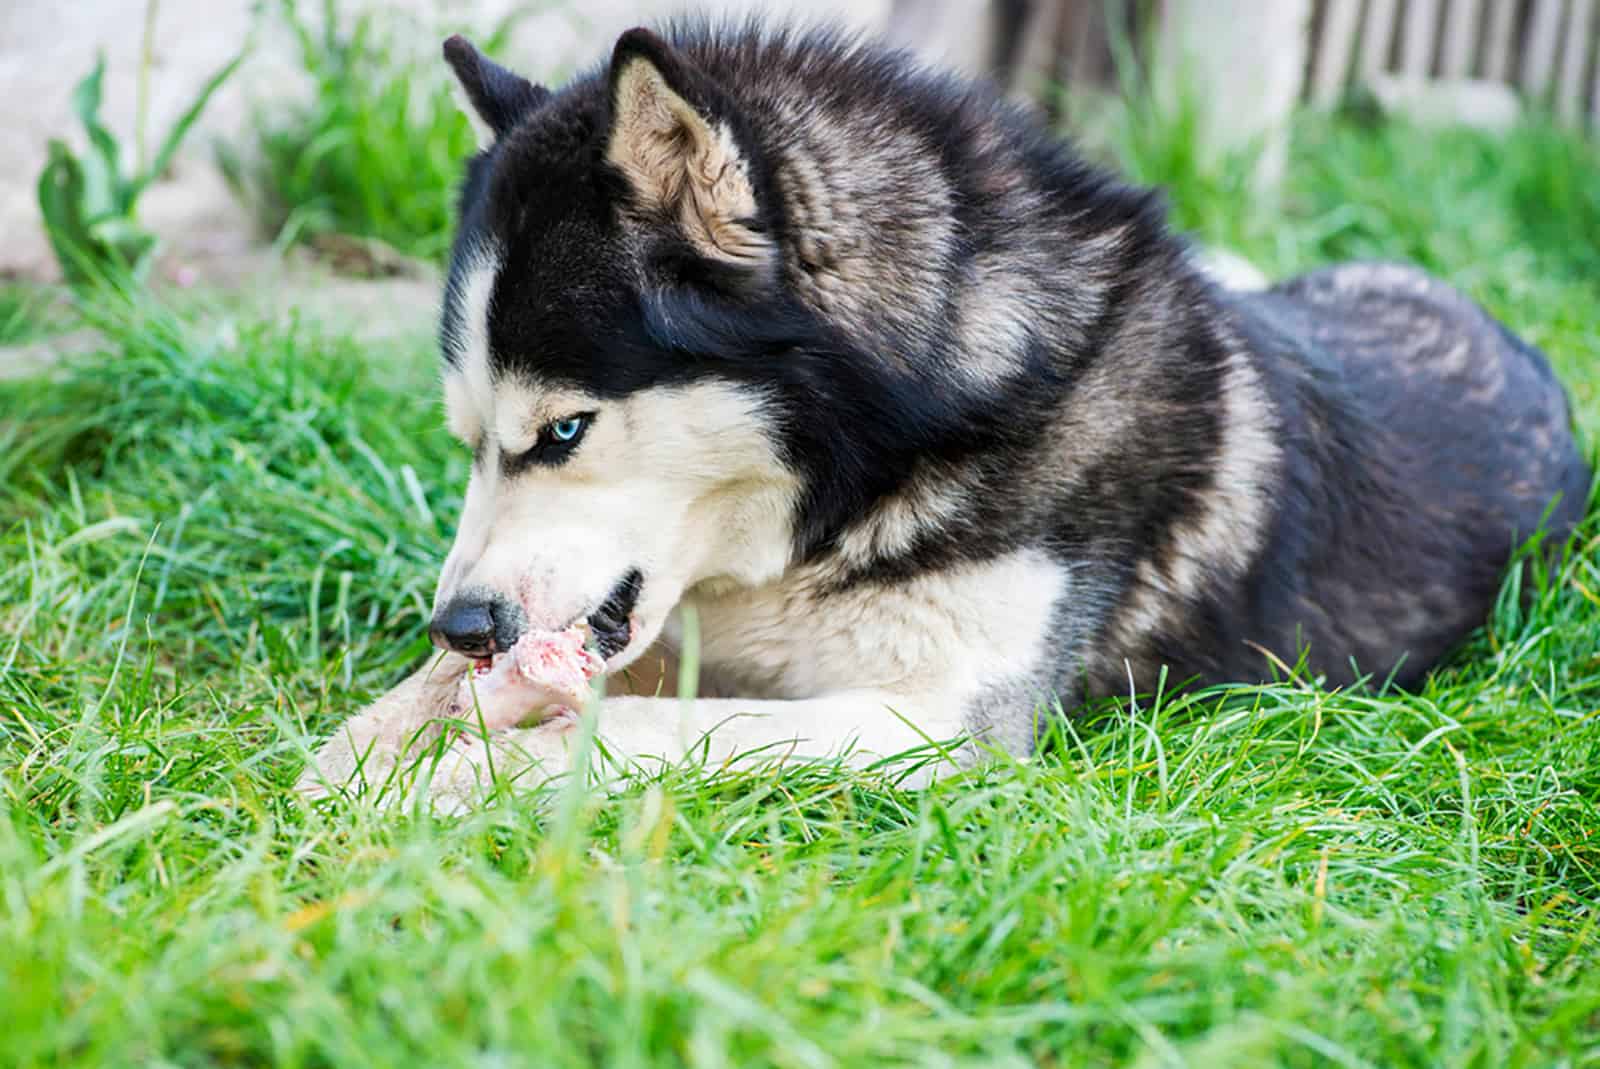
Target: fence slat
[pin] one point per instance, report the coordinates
(1377, 37)
(1574, 60)
(1497, 57)
(1539, 56)
(1085, 30)
(1460, 37)
(1339, 24)
(1037, 58)
(1594, 95)
(1416, 55)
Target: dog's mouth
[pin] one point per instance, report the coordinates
(606, 632)
(611, 625)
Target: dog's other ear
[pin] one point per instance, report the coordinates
(672, 140)
(498, 98)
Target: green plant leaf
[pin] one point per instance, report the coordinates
(107, 154)
(103, 189)
(102, 192)
(180, 129)
(125, 243)
(61, 199)
(86, 94)
(61, 189)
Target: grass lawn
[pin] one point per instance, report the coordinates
(217, 539)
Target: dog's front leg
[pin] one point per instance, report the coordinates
(366, 751)
(388, 749)
(859, 727)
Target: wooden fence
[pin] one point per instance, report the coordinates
(1547, 50)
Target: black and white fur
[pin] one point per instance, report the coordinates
(933, 424)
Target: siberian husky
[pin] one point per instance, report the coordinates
(938, 429)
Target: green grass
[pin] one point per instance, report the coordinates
(217, 539)
(376, 148)
(29, 312)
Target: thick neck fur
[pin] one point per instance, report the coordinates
(969, 273)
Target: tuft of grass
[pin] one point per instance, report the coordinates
(218, 539)
(376, 148)
(1479, 197)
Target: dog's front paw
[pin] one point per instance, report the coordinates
(369, 754)
(520, 760)
(330, 769)
(357, 760)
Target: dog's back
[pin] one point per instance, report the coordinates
(1344, 463)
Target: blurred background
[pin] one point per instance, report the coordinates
(301, 155)
(1241, 67)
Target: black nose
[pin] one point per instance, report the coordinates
(476, 625)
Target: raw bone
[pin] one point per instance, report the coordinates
(546, 671)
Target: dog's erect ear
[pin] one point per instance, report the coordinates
(498, 98)
(679, 155)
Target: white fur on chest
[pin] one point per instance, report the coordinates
(953, 631)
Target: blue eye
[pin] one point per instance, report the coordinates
(557, 441)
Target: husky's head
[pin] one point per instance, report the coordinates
(610, 331)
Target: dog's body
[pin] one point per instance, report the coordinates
(932, 424)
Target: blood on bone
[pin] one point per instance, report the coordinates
(544, 671)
